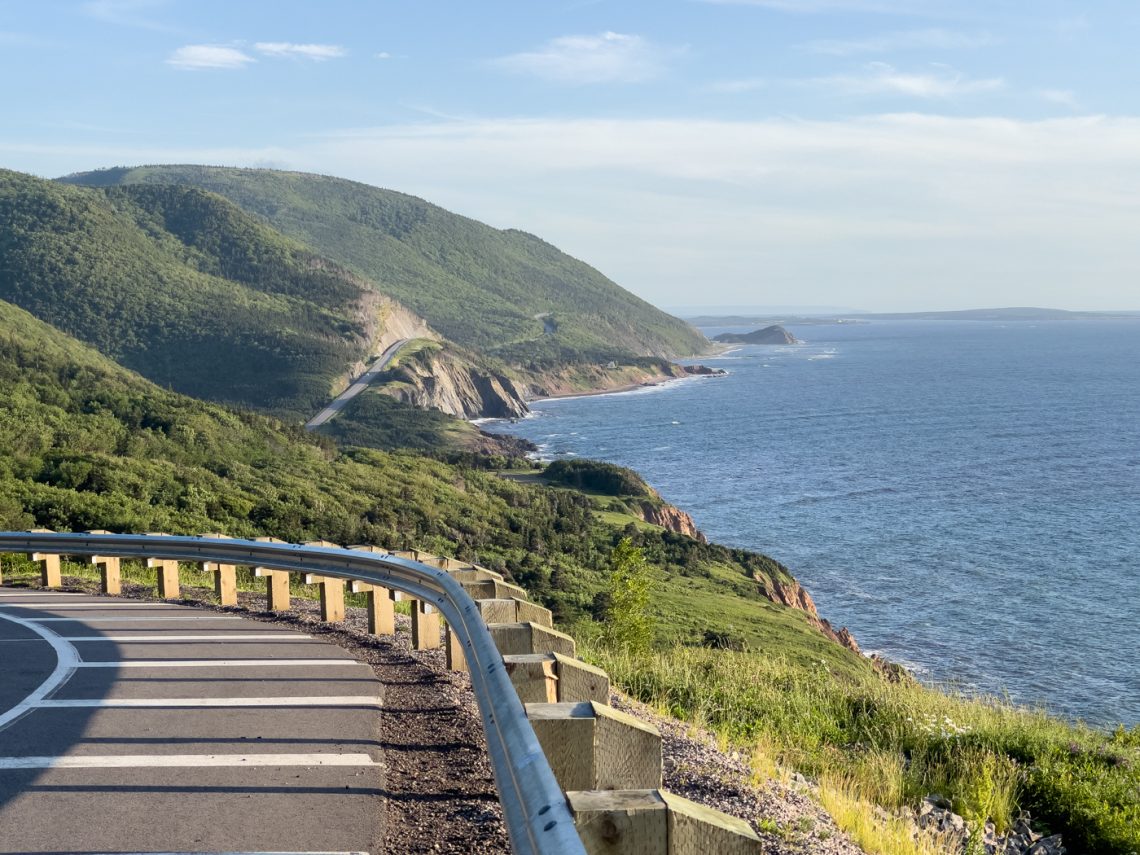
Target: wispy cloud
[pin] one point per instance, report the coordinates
(604, 58)
(127, 13)
(201, 57)
(879, 78)
(928, 39)
(314, 52)
(744, 84)
(811, 7)
(901, 210)
(383, 55)
(1063, 97)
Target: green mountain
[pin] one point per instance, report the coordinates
(87, 444)
(502, 292)
(187, 289)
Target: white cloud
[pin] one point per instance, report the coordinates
(928, 39)
(1064, 97)
(317, 53)
(890, 211)
(604, 58)
(879, 78)
(383, 55)
(199, 57)
(888, 7)
(126, 13)
(731, 87)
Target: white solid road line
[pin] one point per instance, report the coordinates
(223, 853)
(110, 703)
(220, 663)
(247, 636)
(129, 618)
(183, 761)
(107, 605)
(66, 658)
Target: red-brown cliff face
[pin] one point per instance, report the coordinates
(672, 519)
(790, 593)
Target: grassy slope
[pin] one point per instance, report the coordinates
(86, 444)
(185, 288)
(894, 743)
(481, 287)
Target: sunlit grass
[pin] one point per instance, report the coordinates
(871, 741)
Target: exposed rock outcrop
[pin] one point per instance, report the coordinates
(385, 322)
(671, 518)
(774, 334)
(445, 381)
(790, 593)
(703, 370)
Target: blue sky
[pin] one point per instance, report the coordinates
(877, 154)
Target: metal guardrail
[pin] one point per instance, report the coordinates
(537, 815)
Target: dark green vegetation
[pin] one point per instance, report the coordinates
(374, 420)
(774, 334)
(599, 477)
(185, 288)
(502, 292)
(85, 444)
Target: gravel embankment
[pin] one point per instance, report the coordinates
(441, 792)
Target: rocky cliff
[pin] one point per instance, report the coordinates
(670, 518)
(790, 593)
(442, 379)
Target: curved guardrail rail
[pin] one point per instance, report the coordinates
(537, 815)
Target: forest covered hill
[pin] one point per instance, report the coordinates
(503, 292)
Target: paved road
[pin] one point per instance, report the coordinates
(130, 726)
(358, 385)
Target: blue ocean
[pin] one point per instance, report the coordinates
(964, 496)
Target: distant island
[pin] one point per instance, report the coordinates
(774, 334)
(1006, 314)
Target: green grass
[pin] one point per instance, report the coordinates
(893, 743)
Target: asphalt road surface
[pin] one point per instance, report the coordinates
(129, 726)
(358, 385)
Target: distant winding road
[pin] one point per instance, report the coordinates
(359, 385)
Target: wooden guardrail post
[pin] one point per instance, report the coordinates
(425, 626)
(574, 679)
(276, 588)
(50, 575)
(168, 587)
(225, 575)
(592, 746)
(453, 651)
(276, 582)
(332, 596)
(110, 569)
(225, 581)
(110, 574)
(656, 822)
(378, 605)
(512, 638)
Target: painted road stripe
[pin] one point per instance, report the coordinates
(108, 703)
(219, 663)
(66, 658)
(130, 618)
(107, 605)
(246, 636)
(226, 853)
(183, 761)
